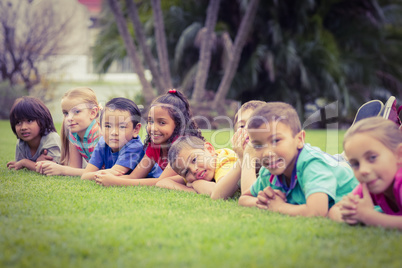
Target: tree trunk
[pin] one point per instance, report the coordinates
(150, 60)
(205, 53)
(128, 41)
(161, 43)
(239, 43)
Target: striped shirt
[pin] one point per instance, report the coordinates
(88, 144)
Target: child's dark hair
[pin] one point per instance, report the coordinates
(123, 104)
(31, 108)
(275, 112)
(179, 110)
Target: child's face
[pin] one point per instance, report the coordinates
(372, 162)
(77, 115)
(196, 164)
(28, 130)
(118, 128)
(243, 117)
(275, 147)
(160, 125)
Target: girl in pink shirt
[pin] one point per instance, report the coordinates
(374, 149)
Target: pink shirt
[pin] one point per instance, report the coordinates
(380, 200)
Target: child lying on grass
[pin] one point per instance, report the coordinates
(120, 149)
(295, 178)
(202, 169)
(374, 149)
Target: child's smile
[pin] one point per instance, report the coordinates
(160, 125)
(276, 147)
(372, 162)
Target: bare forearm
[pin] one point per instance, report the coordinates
(71, 171)
(248, 201)
(121, 181)
(376, 218)
(88, 176)
(228, 185)
(170, 184)
(28, 164)
(248, 176)
(299, 210)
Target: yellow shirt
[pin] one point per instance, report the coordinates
(226, 158)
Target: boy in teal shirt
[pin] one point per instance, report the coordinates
(295, 178)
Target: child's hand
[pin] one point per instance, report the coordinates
(348, 208)
(15, 165)
(104, 178)
(44, 157)
(239, 141)
(49, 168)
(270, 199)
(364, 206)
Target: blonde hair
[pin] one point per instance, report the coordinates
(383, 130)
(253, 104)
(88, 96)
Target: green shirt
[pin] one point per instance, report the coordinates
(315, 172)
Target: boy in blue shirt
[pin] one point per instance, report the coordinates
(120, 149)
(295, 178)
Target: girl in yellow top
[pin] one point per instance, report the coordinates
(202, 169)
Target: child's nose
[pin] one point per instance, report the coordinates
(115, 131)
(364, 170)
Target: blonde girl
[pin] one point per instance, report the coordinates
(374, 149)
(169, 117)
(80, 133)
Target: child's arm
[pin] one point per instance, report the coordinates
(143, 168)
(247, 199)
(175, 183)
(248, 176)
(227, 185)
(23, 163)
(89, 172)
(316, 205)
(136, 178)
(362, 210)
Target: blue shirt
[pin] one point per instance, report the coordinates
(128, 156)
(315, 172)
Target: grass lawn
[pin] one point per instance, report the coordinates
(66, 222)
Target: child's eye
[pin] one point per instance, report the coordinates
(372, 158)
(65, 114)
(123, 127)
(241, 126)
(30, 120)
(354, 164)
(194, 160)
(19, 123)
(107, 126)
(257, 146)
(77, 111)
(162, 123)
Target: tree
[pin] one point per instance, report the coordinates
(131, 50)
(31, 34)
(241, 38)
(161, 43)
(152, 64)
(205, 51)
